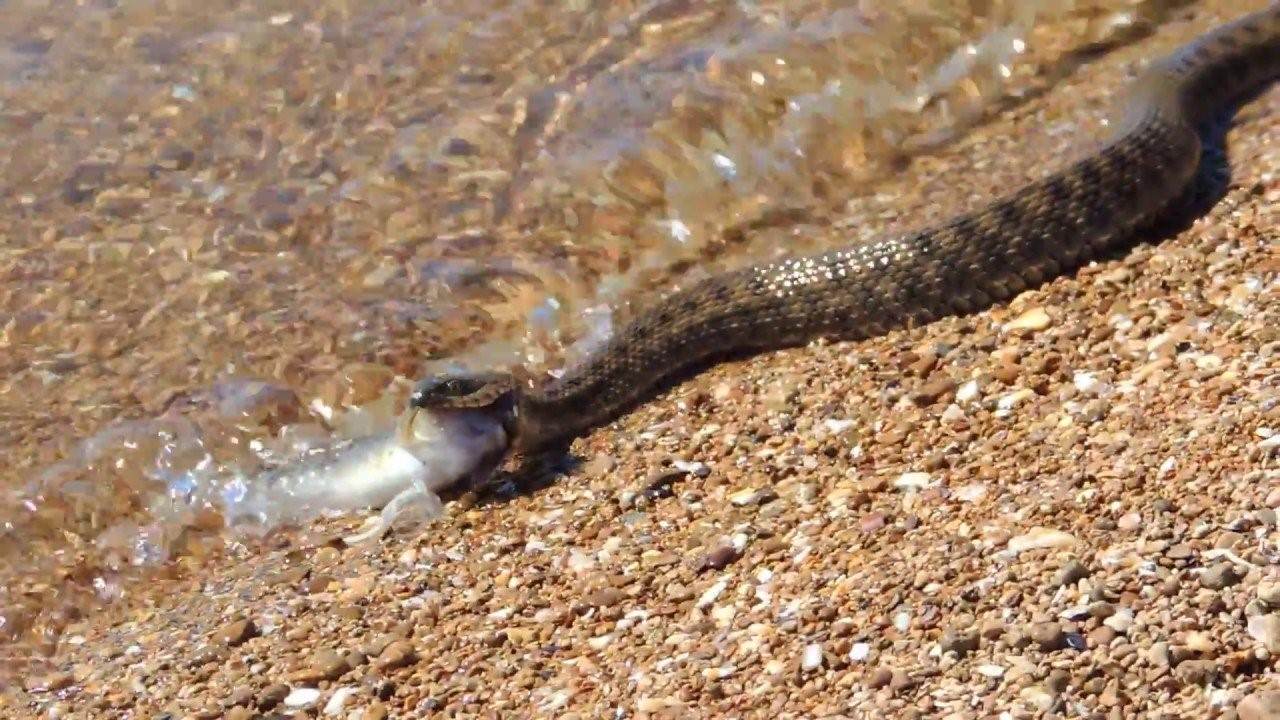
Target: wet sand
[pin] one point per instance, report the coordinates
(1064, 504)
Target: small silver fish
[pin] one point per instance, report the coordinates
(397, 471)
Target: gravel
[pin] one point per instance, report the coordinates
(1085, 526)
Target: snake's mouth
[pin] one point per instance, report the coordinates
(404, 425)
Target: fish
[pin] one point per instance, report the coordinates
(399, 471)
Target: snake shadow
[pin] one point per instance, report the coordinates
(529, 475)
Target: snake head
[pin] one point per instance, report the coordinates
(483, 392)
(458, 391)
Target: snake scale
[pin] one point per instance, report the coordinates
(1046, 228)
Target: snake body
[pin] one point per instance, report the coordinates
(1042, 230)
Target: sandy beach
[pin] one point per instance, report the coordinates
(1064, 506)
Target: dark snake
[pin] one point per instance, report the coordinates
(1046, 228)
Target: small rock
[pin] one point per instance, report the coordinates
(812, 659)
(752, 496)
(1269, 594)
(1129, 522)
(242, 695)
(1101, 610)
(1196, 672)
(880, 677)
(960, 642)
(1071, 573)
(1220, 576)
(1158, 655)
(357, 588)
(1121, 621)
(605, 597)
(49, 683)
(1041, 537)
(236, 632)
(1273, 498)
(1058, 681)
(719, 558)
(301, 697)
(912, 481)
(272, 695)
(871, 522)
(932, 391)
(1048, 635)
(991, 671)
(1101, 636)
(1265, 629)
(396, 655)
(329, 665)
(338, 700)
(1033, 319)
(1037, 696)
(1262, 705)
(1201, 643)
(859, 652)
(992, 629)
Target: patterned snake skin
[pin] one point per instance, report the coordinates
(1043, 230)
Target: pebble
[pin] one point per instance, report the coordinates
(1265, 629)
(236, 632)
(1041, 537)
(752, 496)
(396, 655)
(812, 659)
(329, 664)
(1038, 697)
(1269, 594)
(1071, 573)
(272, 695)
(968, 392)
(301, 697)
(1261, 705)
(338, 700)
(1158, 655)
(932, 391)
(1121, 621)
(52, 682)
(912, 481)
(879, 678)
(1048, 635)
(1129, 522)
(960, 642)
(992, 629)
(719, 558)
(1196, 672)
(1034, 319)
(1220, 576)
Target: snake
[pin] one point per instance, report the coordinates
(1042, 230)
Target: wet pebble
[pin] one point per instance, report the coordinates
(236, 632)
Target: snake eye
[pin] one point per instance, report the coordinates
(452, 391)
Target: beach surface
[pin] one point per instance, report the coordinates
(1065, 505)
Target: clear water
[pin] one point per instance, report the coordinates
(233, 231)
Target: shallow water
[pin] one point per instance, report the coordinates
(232, 231)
